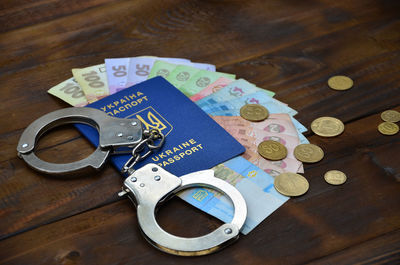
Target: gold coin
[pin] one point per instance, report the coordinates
(388, 128)
(291, 184)
(327, 126)
(272, 150)
(254, 112)
(308, 153)
(390, 116)
(340, 82)
(335, 177)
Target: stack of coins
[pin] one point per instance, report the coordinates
(389, 126)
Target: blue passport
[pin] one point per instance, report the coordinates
(193, 140)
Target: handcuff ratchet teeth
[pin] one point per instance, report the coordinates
(148, 186)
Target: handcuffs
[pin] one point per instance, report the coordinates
(148, 186)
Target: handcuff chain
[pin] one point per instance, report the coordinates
(147, 143)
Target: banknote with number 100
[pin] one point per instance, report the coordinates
(93, 81)
(70, 92)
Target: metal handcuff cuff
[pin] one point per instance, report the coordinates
(148, 186)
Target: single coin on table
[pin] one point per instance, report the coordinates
(327, 126)
(254, 112)
(340, 82)
(308, 153)
(291, 184)
(335, 177)
(390, 116)
(388, 128)
(272, 150)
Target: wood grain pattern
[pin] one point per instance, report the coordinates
(290, 47)
(324, 220)
(381, 250)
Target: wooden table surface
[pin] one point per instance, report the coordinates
(287, 46)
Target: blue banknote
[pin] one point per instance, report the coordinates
(234, 90)
(255, 185)
(260, 97)
(302, 138)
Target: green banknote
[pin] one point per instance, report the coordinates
(161, 68)
(200, 80)
(181, 74)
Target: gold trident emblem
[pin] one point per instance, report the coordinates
(152, 122)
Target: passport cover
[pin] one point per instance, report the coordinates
(193, 141)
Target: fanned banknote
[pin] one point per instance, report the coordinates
(256, 187)
(164, 69)
(276, 123)
(299, 127)
(236, 112)
(209, 104)
(201, 80)
(93, 81)
(215, 107)
(117, 73)
(181, 74)
(140, 67)
(202, 66)
(237, 89)
(161, 68)
(70, 92)
(212, 88)
(251, 134)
